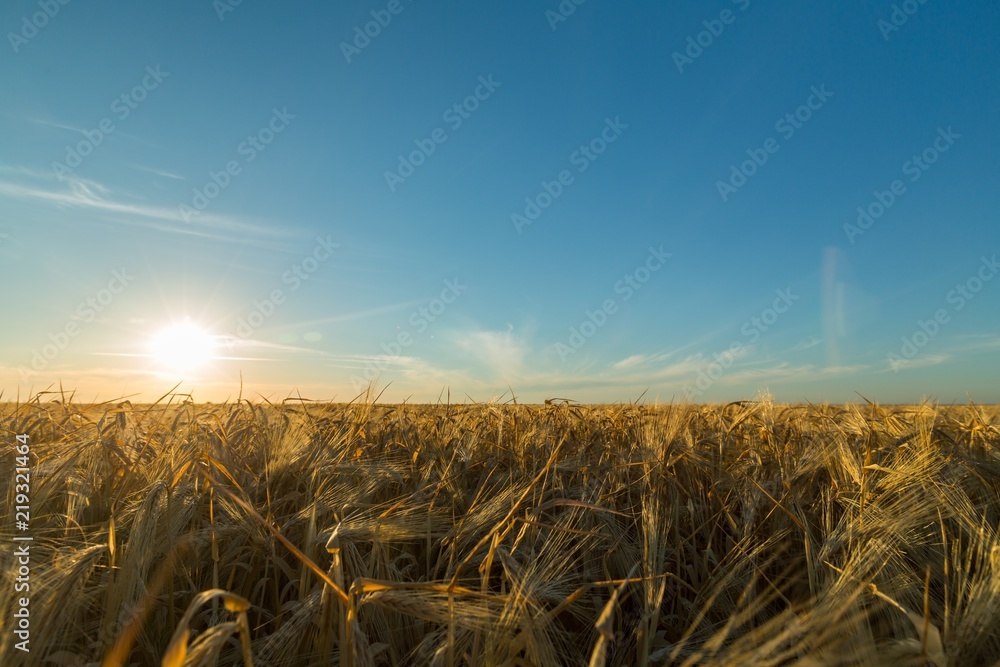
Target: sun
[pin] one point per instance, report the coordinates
(183, 347)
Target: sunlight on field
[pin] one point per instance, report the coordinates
(503, 534)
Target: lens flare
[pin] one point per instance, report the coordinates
(183, 347)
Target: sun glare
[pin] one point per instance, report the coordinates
(183, 347)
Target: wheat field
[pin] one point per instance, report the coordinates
(303, 533)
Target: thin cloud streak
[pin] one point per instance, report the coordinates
(351, 317)
(81, 195)
(49, 123)
(89, 195)
(159, 172)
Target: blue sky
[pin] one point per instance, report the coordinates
(598, 204)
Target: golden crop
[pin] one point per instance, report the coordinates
(502, 534)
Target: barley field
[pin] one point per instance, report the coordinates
(301, 533)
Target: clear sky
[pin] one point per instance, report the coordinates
(597, 201)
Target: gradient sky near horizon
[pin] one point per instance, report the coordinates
(631, 201)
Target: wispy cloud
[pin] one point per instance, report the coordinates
(85, 194)
(502, 353)
(494, 360)
(46, 175)
(978, 342)
(49, 123)
(785, 372)
(922, 361)
(352, 317)
(159, 172)
(642, 360)
(234, 343)
(807, 344)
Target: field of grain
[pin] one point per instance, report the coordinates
(501, 534)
